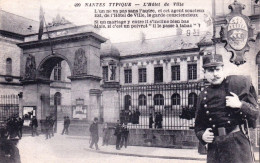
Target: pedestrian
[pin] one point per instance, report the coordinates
(34, 126)
(52, 122)
(151, 120)
(47, 126)
(118, 133)
(130, 116)
(9, 153)
(20, 127)
(68, 125)
(105, 135)
(64, 125)
(94, 134)
(124, 136)
(137, 114)
(134, 120)
(160, 119)
(156, 119)
(222, 109)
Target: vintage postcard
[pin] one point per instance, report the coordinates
(129, 81)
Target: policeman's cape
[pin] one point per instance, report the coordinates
(243, 88)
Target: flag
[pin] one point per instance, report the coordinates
(41, 24)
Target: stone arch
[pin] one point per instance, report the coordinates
(48, 63)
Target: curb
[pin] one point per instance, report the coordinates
(149, 156)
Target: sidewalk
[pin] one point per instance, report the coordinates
(150, 152)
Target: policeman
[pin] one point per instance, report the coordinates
(221, 111)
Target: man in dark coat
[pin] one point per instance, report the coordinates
(124, 136)
(9, 153)
(52, 122)
(20, 127)
(151, 121)
(222, 109)
(156, 119)
(137, 114)
(47, 126)
(94, 134)
(34, 126)
(66, 125)
(118, 133)
(160, 119)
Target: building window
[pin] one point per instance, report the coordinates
(176, 72)
(127, 102)
(158, 74)
(57, 72)
(192, 72)
(57, 98)
(105, 73)
(158, 99)
(142, 100)
(8, 66)
(128, 76)
(192, 99)
(142, 75)
(176, 99)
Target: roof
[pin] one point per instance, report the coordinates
(163, 44)
(17, 24)
(20, 25)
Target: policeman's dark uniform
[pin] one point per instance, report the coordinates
(233, 146)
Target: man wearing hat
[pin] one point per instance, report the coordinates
(223, 109)
(94, 134)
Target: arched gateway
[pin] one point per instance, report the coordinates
(80, 48)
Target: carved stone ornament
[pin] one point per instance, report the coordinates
(80, 62)
(58, 21)
(113, 72)
(237, 33)
(30, 68)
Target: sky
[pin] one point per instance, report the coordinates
(85, 15)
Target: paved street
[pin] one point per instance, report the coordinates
(68, 149)
(63, 149)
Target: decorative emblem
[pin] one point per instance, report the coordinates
(80, 62)
(30, 68)
(237, 33)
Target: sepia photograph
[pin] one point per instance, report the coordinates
(129, 81)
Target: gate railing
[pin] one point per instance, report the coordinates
(163, 102)
(9, 106)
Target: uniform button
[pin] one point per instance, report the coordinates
(205, 92)
(241, 112)
(213, 126)
(205, 105)
(229, 115)
(205, 98)
(228, 122)
(207, 112)
(245, 116)
(210, 119)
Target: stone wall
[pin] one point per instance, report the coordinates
(159, 138)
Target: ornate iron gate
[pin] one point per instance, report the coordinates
(9, 106)
(171, 104)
